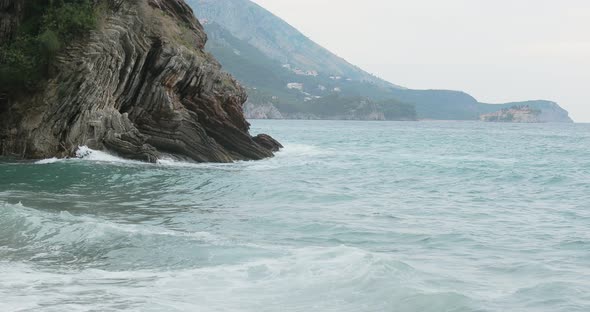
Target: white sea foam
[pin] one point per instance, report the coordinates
(382, 219)
(49, 161)
(94, 226)
(292, 155)
(170, 162)
(311, 278)
(89, 154)
(86, 153)
(289, 151)
(292, 149)
(173, 163)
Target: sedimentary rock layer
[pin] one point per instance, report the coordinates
(140, 86)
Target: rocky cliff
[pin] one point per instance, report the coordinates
(544, 111)
(10, 13)
(517, 114)
(525, 112)
(139, 85)
(356, 109)
(262, 111)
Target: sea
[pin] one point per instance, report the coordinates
(349, 216)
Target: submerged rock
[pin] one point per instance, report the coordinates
(140, 85)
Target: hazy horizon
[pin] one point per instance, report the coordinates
(498, 51)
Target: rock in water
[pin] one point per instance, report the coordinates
(139, 85)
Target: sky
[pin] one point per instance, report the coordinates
(496, 50)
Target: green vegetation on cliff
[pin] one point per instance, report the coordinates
(46, 27)
(351, 107)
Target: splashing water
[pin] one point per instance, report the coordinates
(350, 216)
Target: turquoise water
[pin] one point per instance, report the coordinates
(351, 216)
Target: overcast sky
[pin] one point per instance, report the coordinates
(496, 50)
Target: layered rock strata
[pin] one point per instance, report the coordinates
(140, 86)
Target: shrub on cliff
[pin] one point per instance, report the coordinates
(48, 25)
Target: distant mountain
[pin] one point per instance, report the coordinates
(456, 105)
(549, 111)
(287, 75)
(277, 39)
(301, 94)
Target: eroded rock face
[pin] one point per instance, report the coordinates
(10, 14)
(528, 112)
(262, 111)
(140, 86)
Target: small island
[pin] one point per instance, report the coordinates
(516, 114)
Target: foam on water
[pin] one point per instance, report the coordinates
(302, 150)
(291, 151)
(347, 217)
(53, 239)
(36, 222)
(49, 161)
(317, 278)
(86, 153)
